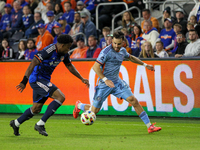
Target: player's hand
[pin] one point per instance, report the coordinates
(85, 81)
(150, 67)
(20, 87)
(109, 83)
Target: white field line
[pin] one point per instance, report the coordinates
(121, 124)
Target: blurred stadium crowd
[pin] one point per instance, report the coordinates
(27, 26)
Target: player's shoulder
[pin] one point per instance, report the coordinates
(123, 49)
(49, 49)
(107, 49)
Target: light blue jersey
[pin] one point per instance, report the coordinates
(111, 62)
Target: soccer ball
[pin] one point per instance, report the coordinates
(88, 117)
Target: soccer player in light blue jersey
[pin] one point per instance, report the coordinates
(107, 68)
(39, 75)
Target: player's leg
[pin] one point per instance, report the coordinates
(142, 114)
(59, 98)
(84, 107)
(28, 114)
(99, 97)
(80, 106)
(122, 90)
(38, 102)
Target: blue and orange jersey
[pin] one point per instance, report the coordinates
(111, 61)
(49, 58)
(29, 54)
(167, 36)
(27, 20)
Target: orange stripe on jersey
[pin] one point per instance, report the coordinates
(99, 62)
(38, 58)
(166, 37)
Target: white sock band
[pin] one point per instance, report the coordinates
(40, 122)
(58, 101)
(17, 123)
(148, 124)
(90, 108)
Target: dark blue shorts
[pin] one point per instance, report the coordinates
(42, 89)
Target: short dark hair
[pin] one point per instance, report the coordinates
(68, 3)
(64, 39)
(38, 13)
(147, 10)
(118, 35)
(92, 36)
(160, 43)
(76, 12)
(183, 36)
(193, 30)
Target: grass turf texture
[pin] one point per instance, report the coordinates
(66, 133)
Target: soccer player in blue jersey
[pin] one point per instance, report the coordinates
(111, 59)
(39, 75)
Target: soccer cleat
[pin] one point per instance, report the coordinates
(41, 129)
(76, 110)
(15, 128)
(152, 128)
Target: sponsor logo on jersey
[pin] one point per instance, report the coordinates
(49, 84)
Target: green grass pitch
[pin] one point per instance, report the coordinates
(107, 133)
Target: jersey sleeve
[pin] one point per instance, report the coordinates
(41, 55)
(45, 53)
(102, 57)
(67, 60)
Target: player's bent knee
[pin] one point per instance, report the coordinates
(36, 110)
(132, 100)
(95, 110)
(62, 99)
(58, 95)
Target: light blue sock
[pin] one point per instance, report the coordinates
(145, 118)
(82, 107)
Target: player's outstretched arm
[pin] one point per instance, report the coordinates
(97, 68)
(22, 85)
(138, 61)
(73, 70)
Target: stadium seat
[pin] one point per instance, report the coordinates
(17, 36)
(15, 48)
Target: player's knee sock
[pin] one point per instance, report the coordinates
(82, 107)
(145, 119)
(25, 116)
(51, 109)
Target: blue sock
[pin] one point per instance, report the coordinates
(82, 107)
(144, 117)
(25, 116)
(51, 109)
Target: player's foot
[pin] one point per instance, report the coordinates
(152, 128)
(76, 110)
(41, 129)
(15, 128)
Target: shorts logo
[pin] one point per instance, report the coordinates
(98, 98)
(43, 86)
(49, 84)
